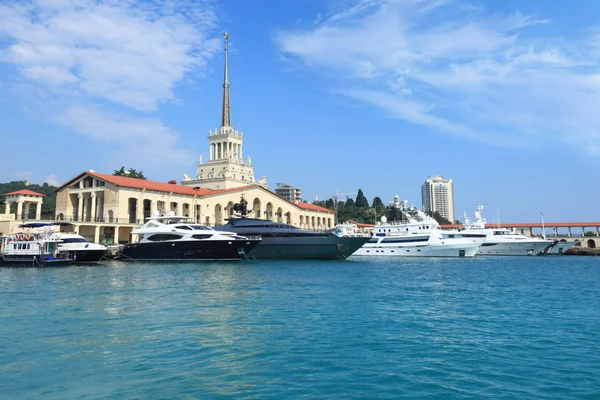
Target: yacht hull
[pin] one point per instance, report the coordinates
(85, 256)
(32, 261)
(307, 248)
(560, 247)
(425, 250)
(522, 248)
(188, 250)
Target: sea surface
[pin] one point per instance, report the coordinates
(497, 328)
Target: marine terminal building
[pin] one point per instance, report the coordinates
(107, 208)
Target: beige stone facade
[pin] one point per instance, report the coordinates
(105, 208)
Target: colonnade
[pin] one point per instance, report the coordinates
(23, 208)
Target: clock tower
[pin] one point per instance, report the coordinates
(225, 167)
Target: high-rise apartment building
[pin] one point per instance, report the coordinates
(289, 192)
(437, 195)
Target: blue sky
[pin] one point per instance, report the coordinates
(332, 95)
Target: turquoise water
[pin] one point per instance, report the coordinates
(500, 328)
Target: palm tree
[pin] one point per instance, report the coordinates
(130, 173)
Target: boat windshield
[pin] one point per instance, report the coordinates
(200, 227)
(74, 240)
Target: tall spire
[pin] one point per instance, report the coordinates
(226, 120)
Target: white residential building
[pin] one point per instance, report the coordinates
(437, 194)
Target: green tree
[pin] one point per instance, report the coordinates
(361, 200)
(130, 173)
(379, 206)
(329, 204)
(438, 217)
(49, 200)
(394, 214)
(320, 203)
(120, 172)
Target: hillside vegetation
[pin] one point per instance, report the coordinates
(48, 206)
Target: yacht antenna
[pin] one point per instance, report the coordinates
(543, 229)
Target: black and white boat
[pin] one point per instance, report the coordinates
(170, 238)
(79, 249)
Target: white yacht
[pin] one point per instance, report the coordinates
(505, 242)
(37, 248)
(169, 238)
(419, 236)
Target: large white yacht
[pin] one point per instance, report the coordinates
(169, 238)
(505, 242)
(419, 236)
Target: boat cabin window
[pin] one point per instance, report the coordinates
(159, 237)
(202, 236)
(200, 227)
(74, 240)
(183, 227)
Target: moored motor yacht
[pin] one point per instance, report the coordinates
(31, 249)
(170, 238)
(418, 236)
(505, 242)
(284, 241)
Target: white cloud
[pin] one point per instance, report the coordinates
(136, 139)
(52, 180)
(86, 58)
(123, 52)
(459, 70)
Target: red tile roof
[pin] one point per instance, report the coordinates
(312, 207)
(25, 191)
(135, 183)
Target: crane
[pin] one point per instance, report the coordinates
(335, 197)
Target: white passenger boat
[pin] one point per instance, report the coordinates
(170, 238)
(419, 236)
(505, 242)
(31, 249)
